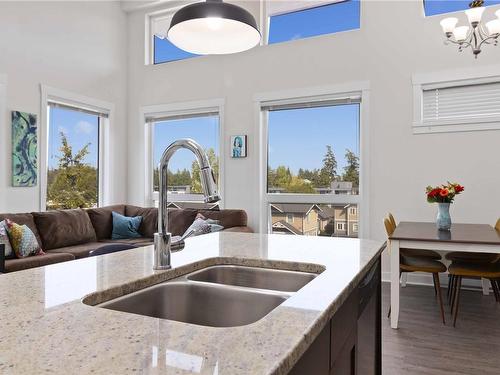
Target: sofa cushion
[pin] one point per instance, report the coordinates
(227, 218)
(23, 219)
(5, 240)
(63, 228)
(12, 265)
(22, 239)
(102, 219)
(78, 251)
(149, 224)
(143, 241)
(125, 227)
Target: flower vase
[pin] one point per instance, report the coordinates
(443, 220)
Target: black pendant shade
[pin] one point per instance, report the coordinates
(213, 27)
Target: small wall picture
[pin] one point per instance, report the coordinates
(239, 146)
(24, 149)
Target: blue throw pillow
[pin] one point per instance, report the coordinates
(125, 227)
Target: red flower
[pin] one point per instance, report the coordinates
(434, 192)
(458, 188)
(444, 193)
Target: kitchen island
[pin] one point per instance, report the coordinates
(46, 327)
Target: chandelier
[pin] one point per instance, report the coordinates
(476, 34)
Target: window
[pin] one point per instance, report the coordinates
(341, 226)
(352, 211)
(355, 228)
(291, 20)
(456, 105)
(289, 218)
(184, 178)
(73, 157)
(162, 49)
(312, 167)
(433, 7)
(314, 148)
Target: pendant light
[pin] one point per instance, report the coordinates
(213, 27)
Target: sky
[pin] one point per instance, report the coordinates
(298, 137)
(80, 128)
(433, 7)
(204, 130)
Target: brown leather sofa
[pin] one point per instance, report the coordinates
(71, 234)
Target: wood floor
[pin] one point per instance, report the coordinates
(423, 346)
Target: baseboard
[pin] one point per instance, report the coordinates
(416, 278)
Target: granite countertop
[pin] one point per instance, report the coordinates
(45, 327)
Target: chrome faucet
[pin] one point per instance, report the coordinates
(163, 244)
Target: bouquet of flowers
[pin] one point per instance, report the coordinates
(444, 193)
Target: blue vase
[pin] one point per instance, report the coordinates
(443, 220)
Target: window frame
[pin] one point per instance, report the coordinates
(180, 109)
(447, 79)
(359, 89)
(55, 95)
(270, 9)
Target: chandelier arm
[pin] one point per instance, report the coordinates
(488, 40)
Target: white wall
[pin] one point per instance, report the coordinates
(75, 46)
(395, 41)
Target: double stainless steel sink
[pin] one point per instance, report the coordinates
(217, 296)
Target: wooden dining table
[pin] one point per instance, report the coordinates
(473, 238)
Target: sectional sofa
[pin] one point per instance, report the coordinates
(71, 234)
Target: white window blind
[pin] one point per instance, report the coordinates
(461, 104)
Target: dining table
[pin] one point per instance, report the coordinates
(473, 238)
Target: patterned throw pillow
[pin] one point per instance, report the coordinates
(4, 239)
(23, 241)
(202, 225)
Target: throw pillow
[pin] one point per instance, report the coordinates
(4, 239)
(125, 227)
(23, 240)
(202, 225)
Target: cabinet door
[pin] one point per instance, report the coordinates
(316, 360)
(345, 362)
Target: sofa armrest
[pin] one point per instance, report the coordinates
(239, 229)
(2, 258)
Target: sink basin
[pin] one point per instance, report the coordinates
(202, 304)
(253, 277)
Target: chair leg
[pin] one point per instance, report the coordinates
(435, 276)
(451, 290)
(496, 292)
(389, 313)
(434, 282)
(453, 294)
(457, 302)
(448, 292)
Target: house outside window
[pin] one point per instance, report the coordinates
(341, 226)
(320, 184)
(292, 20)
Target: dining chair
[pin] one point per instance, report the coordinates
(408, 263)
(430, 254)
(484, 266)
(460, 256)
(490, 271)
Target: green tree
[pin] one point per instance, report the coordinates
(74, 183)
(195, 171)
(283, 176)
(329, 170)
(351, 170)
(298, 185)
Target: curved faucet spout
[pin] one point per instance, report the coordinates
(208, 185)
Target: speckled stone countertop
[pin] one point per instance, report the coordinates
(45, 327)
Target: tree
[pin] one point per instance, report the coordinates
(74, 183)
(195, 171)
(329, 170)
(351, 170)
(298, 185)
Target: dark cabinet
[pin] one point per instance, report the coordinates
(351, 343)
